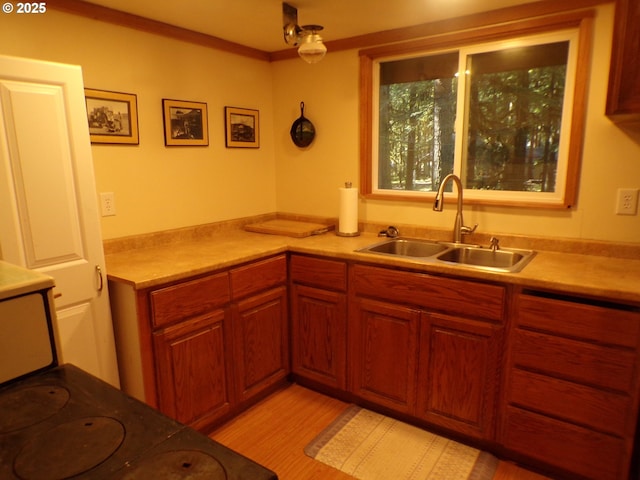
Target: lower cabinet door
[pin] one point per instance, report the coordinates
(261, 354)
(458, 374)
(318, 325)
(384, 353)
(193, 369)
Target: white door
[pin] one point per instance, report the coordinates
(48, 204)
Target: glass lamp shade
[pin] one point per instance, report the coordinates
(312, 49)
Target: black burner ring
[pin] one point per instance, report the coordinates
(23, 407)
(69, 449)
(177, 464)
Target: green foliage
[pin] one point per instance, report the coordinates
(512, 130)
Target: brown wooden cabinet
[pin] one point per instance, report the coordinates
(260, 326)
(427, 346)
(193, 350)
(459, 360)
(572, 389)
(318, 320)
(194, 373)
(203, 349)
(623, 98)
(563, 397)
(384, 353)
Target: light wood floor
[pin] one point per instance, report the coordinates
(275, 431)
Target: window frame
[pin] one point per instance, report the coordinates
(512, 31)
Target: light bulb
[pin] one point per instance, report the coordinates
(312, 49)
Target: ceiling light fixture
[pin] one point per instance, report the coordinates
(311, 48)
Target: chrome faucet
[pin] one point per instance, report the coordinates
(459, 228)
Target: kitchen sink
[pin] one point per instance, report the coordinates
(406, 247)
(472, 256)
(506, 260)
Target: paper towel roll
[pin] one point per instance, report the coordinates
(348, 219)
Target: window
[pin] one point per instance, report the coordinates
(505, 116)
(416, 111)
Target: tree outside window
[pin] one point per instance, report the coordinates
(514, 123)
(417, 111)
(499, 115)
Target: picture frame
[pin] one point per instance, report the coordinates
(185, 123)
(242, 127)
(112, 117)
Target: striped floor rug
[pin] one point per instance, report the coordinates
(370, 446)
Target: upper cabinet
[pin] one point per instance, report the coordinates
(623, 101)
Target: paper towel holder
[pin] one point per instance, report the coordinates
(347, 234)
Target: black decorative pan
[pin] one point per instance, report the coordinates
(302, 131)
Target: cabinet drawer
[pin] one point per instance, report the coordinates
(578, 361)
(189, 298)
(258, 276)
(598, 409)
(433, 293)
(319, 272)
(589, 322)
(585, 452)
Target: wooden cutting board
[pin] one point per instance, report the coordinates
(290, 228)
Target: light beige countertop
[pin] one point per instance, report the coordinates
(16, 280)
(607, 277)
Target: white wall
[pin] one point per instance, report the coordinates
(308, 179)
(158, 188)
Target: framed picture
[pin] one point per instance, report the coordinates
(242, 127)
(112, 116)
(185, 123)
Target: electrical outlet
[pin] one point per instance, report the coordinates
(627, 201)
(107, 204)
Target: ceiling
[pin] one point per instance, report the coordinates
(258, 23)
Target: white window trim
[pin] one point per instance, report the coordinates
(461, 124)
(579, 23)
(558, 196)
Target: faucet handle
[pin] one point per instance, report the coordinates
(495, 243)
(391, 232)
(468, 230)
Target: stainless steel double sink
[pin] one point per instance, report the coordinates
(473, 256)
